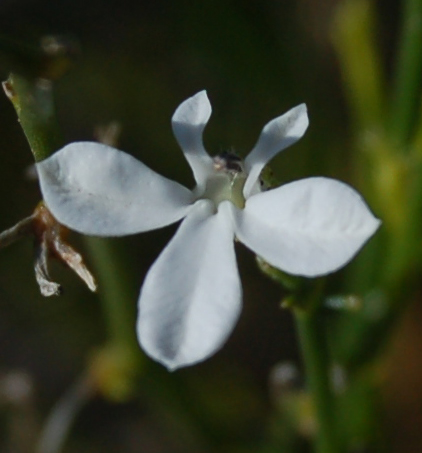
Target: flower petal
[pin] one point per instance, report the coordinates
(98, 190)
(309, 227)
(191, 297)
(277, 135)
(188, 122)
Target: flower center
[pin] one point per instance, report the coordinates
(227, 180)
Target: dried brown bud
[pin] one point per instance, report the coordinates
(50, 241)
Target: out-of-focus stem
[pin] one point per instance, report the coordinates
(408, 75)
(62, 416)
(353, 36)
(117, 300)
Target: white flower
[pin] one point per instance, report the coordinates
(191, 296)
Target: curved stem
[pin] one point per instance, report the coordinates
(62, 416)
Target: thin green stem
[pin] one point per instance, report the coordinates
(409, 73)
(118, 303)
(315, 355)
(33, 102)
(32, 99)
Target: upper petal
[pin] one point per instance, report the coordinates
(188, 122)
(309, 227)
(98, 190)
(277, 135)
(191, 297)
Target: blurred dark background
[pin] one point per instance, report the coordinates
(137, 62)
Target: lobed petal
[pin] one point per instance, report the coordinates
(277, 135)
(98, 190)
(309, 227)
(188, 122)
(191, 297)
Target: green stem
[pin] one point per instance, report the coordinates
(32, 99)
(409, 72)
(354, 32)
(118, 303)
(33, 102)
(315, 356)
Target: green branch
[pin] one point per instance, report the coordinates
(408, 74)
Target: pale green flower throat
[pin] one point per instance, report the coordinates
(227, 181)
